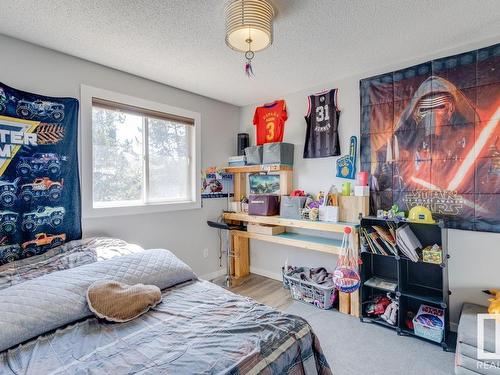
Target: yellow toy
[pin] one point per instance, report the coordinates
(420, 214)
(494, 307)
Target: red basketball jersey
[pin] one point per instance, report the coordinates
(270, 122)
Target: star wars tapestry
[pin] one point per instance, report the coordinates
(39, 186)
(430, 136)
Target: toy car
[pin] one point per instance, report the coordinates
(40, 188)
(40, 108)
(40, 163)
(3, 100)
(8, 220)
(52, 216)
(41, 242)
(9, 253)
(8, 192)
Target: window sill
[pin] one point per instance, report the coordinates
(139, 209)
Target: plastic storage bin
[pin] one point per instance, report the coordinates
(429, 323)
(291, 207)
(315, 294)
(254, 155)
(278, 153)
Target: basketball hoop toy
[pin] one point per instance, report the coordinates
(346, 277)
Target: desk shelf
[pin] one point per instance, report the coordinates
(322, 244)
(335, 227)
(240, 174)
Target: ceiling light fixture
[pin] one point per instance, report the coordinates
(249, 27)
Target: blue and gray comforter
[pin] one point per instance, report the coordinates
(199, 328)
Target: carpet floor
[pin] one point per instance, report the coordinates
(353, 348)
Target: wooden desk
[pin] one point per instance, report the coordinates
(240, 267)
(240, 243)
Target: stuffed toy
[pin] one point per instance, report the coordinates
(391, 312)
(378, 305)
(298, 193)
(494, 307)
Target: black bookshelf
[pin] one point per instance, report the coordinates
(417, 282)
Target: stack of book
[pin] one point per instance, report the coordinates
(237, 161)
(379, 240)
(391, 241)
(408, 243)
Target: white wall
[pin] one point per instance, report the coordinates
(475, 256)
(40, 70)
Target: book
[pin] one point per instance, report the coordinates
(407, 242)
(385, 234)
(369, 241)
(377, 242)
(380, 283)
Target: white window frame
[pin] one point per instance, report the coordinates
(87, 93)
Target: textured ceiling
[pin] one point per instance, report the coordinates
(181, 42)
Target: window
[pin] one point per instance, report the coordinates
(145, 156)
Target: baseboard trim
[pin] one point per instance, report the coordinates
(212, 275)
(257, 271)
(266, 273)
(453, 327)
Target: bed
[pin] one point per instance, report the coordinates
(198, 328)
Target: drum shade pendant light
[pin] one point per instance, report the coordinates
(249, 28)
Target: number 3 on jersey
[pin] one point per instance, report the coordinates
(270, 131)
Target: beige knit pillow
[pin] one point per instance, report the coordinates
(119, 302)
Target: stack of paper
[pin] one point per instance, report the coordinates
(407, 242)
(379, 283)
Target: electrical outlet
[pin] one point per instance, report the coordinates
(205, 253)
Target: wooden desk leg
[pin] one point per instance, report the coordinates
(355, 304)
(344, 303)
(231, 260)
(240, 186)
(355, 310)
(286, 182)
(241, 259)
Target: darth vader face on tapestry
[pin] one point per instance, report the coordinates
(430, 136)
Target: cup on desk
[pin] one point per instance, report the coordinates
(346, 188)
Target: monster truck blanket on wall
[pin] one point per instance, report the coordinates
(39, 185)
(430, 135)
